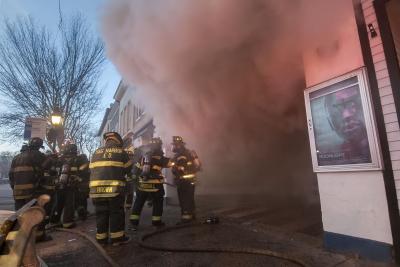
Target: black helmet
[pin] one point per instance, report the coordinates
(113, 136)
(36, 143)
(70, 149)
(155, 143)
(177, 140)
(24, 148)
(177, 143)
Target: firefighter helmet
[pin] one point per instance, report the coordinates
(177, 140)
(24, 148)
(36, 143)
(155, 143)
(177, 144)
(113, 136)
(70, 149)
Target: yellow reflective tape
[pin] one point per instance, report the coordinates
(134, 217)
(156, 167)
(156, 218)
(23, 197)
(104, 189)
(188, 176)
(49, 187)
(106, 183)
(128, 164)
(148, 189)
(74, 169)
(117, 234)
(152, 181)
(187, 216)
(83, 166)
(66, 225)
(101, 235)
(94, 195)
(23, 169)
(23, 186)
(181, 157)
(106, 164)
(11, 235)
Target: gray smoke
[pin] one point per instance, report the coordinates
(227, 75)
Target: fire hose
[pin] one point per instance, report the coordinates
(142, 243)
(262, 252)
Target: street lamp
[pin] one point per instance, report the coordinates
(56, 119)
(56, 132)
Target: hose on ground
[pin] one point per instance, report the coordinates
(262, 252)
(94, 243)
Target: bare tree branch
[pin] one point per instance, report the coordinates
(39, 72)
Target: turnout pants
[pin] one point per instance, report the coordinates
(65, 206)
(110, 218)
(81, 203)
(158, 205)
(19, 203)
(186, 199)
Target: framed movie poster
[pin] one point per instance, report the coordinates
(341, 125)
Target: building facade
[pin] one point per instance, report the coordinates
(353, 86)
(135, 125)
(110, 122)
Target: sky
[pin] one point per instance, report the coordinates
(45, 12)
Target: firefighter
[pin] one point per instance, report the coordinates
(185, 166)
(26, 172)
(130, 186)
(150, 183)
(69, 178)
(48, 183)
(110, 170)
(82, 193)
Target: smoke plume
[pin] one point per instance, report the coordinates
(227, 76)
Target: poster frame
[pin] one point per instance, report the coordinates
(369, 118)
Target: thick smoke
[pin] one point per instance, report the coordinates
(226, 75)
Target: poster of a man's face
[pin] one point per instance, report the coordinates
(339, 126)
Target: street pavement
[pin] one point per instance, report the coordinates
(6, 199)
(246, 222)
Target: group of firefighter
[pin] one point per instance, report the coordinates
(110, 179)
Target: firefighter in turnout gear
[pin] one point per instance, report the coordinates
(82, 192)
(26, 175)
(150, 182)
(185, 165)
(26, 172)
(110, 170)
(48, 183)
(70, 177)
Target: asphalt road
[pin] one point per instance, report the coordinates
(292, 227)
(6, 199)
(246, 222)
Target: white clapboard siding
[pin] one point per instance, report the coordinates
(392, 8)
(385, 92)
